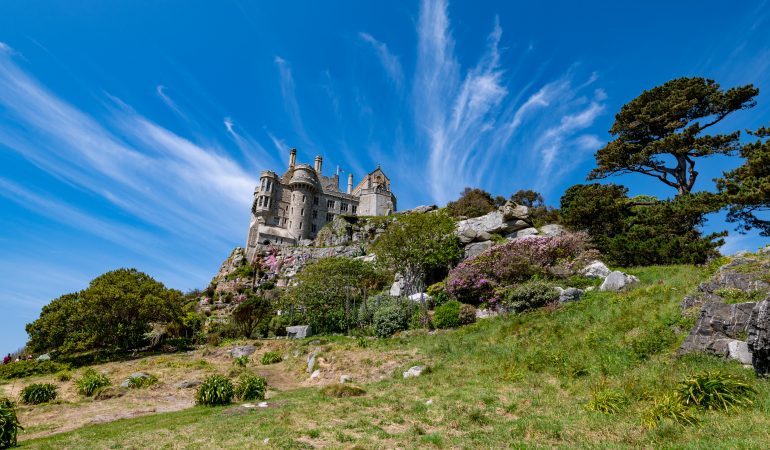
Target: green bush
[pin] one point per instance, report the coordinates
(467, 314)
(23, 369)
(9, 423)
(391, 318)
(271, 358)
(715, 391)
(64, 375)
(438, 293)
(215, 390)
(447, 315)
(37, 393)
(606, 401)
(91, 382)
(241, 361)
(339, 390)
(529, 295)
(251, 387)
(668, 407)
(142, 382)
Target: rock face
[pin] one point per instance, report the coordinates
(759, 337)
(745, 277)
(570, 294)
(422, 209)
(596, 269)
(531, 231)
(552, 230)
(298, 332)
(717, 326)
(509, 218)
(477, 248)
(739, 351)
(617, 281)
(351, 230)
(242, 350)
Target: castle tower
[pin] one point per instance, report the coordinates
(303, 185)
(292, 158)
(318, 162)
(350, 183)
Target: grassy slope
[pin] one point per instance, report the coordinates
(516, 381)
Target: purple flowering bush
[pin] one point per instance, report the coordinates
(476, 280)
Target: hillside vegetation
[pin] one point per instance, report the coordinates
(517, 380)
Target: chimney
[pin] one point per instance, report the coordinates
(318, 161)
(292, 158)
(350, 183)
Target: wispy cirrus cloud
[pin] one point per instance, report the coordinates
(289, 94)
(389, 61)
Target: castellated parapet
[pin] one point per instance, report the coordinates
(293, 207)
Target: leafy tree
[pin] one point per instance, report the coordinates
(746, 190)
(113, 313)
(660, 133)
(528, 197)
(251, 312)
(599, 209)
(473, 202)
(417, 245)
(539, 212)
(328, 292)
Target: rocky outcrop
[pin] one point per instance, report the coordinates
(419, 209)
(570, 294)
(351, 230)
(740, 279)
(553, 230)
(758, 341)
(596, 269)
(509, 218)
(717, 325)
(617, 281)
(476, 248)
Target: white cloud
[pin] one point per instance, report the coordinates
(288, 91)
(389, 62)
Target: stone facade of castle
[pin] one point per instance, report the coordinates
(291, 208)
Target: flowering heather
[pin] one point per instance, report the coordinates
(475, 280)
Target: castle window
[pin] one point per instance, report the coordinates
(303, 198)
(300, 225)
(313, 228)
(354, 209)
(315, 213)
(329, 204)
(269, 185)
(344, 207)
(315, 200)
(277, 220)
(302, 212)
(329, 217)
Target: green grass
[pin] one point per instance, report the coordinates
(514, 381)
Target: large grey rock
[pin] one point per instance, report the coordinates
(299, 331)
(345, 379)
(44, 357)
(311, 361)
(135, 375)
(513, 211)
(422, 209)
(739, 351)
(717, 326)
(476, 248)
(397, 289)
(759, 337)
(414, 371)
(569, 295)
(740, 274)
(242, 350)
(530, 231)
(596, 269)
(188, 384)
(552, 230)
(493, 223)
(617, 281)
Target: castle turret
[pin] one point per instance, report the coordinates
(350, 183)
(292, 158)
(318, 161)
(303, 186)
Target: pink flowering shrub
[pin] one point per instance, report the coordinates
(476, 280)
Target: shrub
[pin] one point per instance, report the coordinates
(271, 358)
(606, 401)
(715, 391)
(438, 293)
(35, 394)
(91, 382)
(420, 320)
(529, 295)
(215, 390)
(390, 318)
(342, 390)
(241, 361)
(467, 314)
(668, 407)
(64, 375)
(473, 202)
(142, 382)
(447, 315)
(23, 369)
(475, 280)
(9, 423)
(251, 387)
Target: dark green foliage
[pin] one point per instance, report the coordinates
(643, 230)
(438, 294)
(38, 393)
(666, 124)
(9, 423)
(214, 391)
(392, 317)
(447, 315)
(330, 291)
(715, 391)
(252, 312)
(746, 190)
(539, 212)
(467, 314)
(251, 387)
(142, 382)
(338, 390)
(23, 369)
(91, 382)
(114, 313)
(242, 272)
(472, 203)
(241, 361)
(529, 295)
(271, 358)
(419, 245)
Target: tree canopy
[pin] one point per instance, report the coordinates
(746, 190)
(660, 132)
(473, 202)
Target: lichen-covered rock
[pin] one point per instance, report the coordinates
(530, 231)
(617, 281)
(746, 279)
(476, 248)
(242, 350)
(739, 351)
(414, 371)
(509, 218)
(569, 294)
(351, 230)
(717, 325)
(759, 337)
(596, 269)
(298, 331)
(422, 209)
(553, 230)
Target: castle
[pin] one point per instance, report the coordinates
(292, 208)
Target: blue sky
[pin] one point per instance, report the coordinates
(132, 132)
